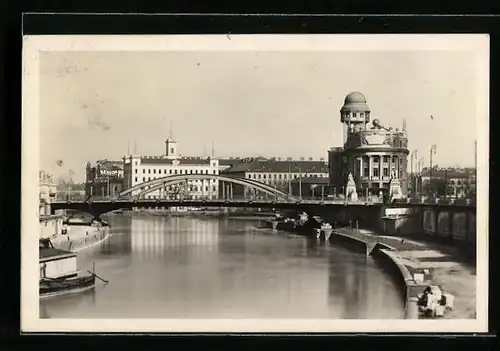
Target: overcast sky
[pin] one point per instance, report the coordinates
(250, 103)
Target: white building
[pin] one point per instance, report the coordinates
(141, 169)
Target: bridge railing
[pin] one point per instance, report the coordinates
(270, 199)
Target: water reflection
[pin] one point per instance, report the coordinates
(180, 267)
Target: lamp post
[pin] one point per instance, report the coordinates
(431, 152)
(413, 155)
(300, 183)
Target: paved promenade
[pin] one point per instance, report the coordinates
(440, 264)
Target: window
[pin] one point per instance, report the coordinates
(386, 159)
(215, 172)
(213, 188)
(386, 172)
(149, 171)
(143, 171)
(264, 176)
(279, 176)
(275, 176)
(136, 179)
(190, 171)
(154, 171)
(169, 171)
(136, 171)
(259, 176)
(136, 163)
(376, 159)
(171, 150)
(149, 178)
(375, 172)
(175, 171)
(354, 114)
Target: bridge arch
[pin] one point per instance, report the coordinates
(156, 184)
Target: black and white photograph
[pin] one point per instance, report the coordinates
(255, 183)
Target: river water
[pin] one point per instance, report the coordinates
(186, 267)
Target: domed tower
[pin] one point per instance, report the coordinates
(374, 154)
(354, 114)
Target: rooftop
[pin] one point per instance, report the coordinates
(46, 253)
(449, 172)
(182, 160)
(272, 166)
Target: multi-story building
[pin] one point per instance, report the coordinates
(372, 154)
(48, 192)
(104, 179)
(455, 183)
(274, 172)
(311, 187)
(139, 169)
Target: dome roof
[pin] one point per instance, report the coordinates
(355, 97)
(355, 102)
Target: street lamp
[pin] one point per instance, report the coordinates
(413, 156)
(431, 152)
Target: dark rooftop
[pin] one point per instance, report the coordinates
(182, 161)
(272, 166)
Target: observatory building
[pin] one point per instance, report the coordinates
(375, 155)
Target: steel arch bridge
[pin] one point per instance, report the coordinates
(160, 183)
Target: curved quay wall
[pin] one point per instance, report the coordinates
(383, 253)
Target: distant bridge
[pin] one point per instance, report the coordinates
(276, 198)
(162, 183)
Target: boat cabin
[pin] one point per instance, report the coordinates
(55, 263)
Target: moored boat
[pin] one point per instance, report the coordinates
(58, 272)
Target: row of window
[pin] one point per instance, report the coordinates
(355, 114)
(376, 172)
(181, 171)
(385, 159)
(283, 176)
(193, 188)
(153, 178)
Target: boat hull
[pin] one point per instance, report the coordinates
(56, 287)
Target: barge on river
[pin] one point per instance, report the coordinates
(58, 272)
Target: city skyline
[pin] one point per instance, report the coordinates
(250, 103)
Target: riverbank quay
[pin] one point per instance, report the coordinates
(422, 263)
(247, 216)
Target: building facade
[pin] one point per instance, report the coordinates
(104, 179)
(48, 192)
(453, 183)
(374, 154)
(140, 169)
(277, 173)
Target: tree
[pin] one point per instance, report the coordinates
(436, 186)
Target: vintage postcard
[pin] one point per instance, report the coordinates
(255, 183)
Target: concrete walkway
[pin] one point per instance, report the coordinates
(439, 266)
